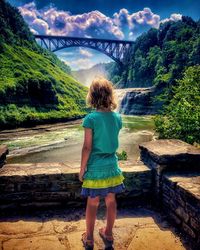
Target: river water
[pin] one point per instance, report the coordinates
(64, 143)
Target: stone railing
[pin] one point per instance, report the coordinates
(46, 184)
(169, 174)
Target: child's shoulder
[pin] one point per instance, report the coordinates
(90, 115)
(117, 113)
(95, 114)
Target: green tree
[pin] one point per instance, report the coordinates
(181, 118)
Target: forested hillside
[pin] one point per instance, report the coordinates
(160, 55)
(35, 86)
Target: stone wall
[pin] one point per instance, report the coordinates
(181, 201)
(176, 180)
(53, 184)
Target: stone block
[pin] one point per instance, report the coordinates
(10, 187)
(166, 198)
(188, 230)
(166, 189)
(35, 204)
(15, 197)
(180, 199)
(174, 217)
(195, 224)
(182, 213)
(188, 195)
(51, 196)
(3, 153)
(173, 204)
(170, 152)
(192, 211)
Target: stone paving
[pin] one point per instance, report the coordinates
(59, 228)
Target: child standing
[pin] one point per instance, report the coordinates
(99, 171)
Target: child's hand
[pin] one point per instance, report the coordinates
(81, 175)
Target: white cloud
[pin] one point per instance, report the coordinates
(82, 63)
(122, 25)
(39, 26)
(132, 24)
(29, 12)
(64, 53)
(56, 22)
(173, 17)
(85, 52)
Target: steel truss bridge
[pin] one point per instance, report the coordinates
(118, 50)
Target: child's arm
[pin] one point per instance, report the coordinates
(86, 149)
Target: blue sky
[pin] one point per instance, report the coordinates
(116, 19)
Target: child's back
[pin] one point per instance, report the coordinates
(106, 127)
(100, 172)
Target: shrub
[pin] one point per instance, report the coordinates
(181, 118)
(122, 156)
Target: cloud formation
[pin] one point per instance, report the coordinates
(122, 25)
(55, 22)
(173, 17)
(133, 24)
(85, 53)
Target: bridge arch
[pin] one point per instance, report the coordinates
(115, 49)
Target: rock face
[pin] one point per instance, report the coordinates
(140, 102)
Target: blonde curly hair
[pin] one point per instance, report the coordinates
(101, 94)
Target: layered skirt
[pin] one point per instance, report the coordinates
(99, 181)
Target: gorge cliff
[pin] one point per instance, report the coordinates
(138, 101)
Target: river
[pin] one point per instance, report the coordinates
(63, 142)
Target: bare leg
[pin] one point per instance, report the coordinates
(110, 212)
(91, 210)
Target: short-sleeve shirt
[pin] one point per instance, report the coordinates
(105, 128)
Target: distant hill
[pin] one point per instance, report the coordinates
(35, 86)
(86, 76)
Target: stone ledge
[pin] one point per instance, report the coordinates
(48, 168)
(170, 151)
(29, 169)
(57, 183)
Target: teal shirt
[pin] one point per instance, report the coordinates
(105, 129)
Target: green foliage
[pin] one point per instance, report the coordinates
(13, 29)
(35, 86)
(12, 115)
(160, 55)
(181, 118)
(122, 156)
